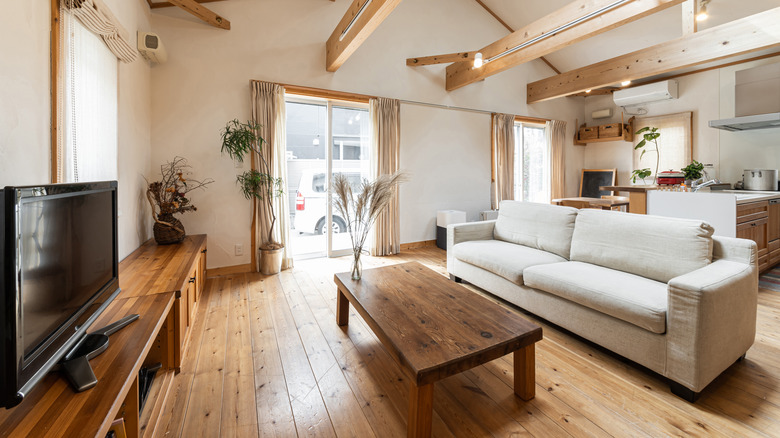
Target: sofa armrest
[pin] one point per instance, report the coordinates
(457, 233)
(731, 248)
(711, 319)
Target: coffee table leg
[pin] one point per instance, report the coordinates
(525, 372)
(342, 309)
(420, 411)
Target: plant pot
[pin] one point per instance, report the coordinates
(167, 230)
(271, 261)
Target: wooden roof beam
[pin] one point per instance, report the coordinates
(440, 59)
(509, 28)
(689, 24)
(167, 4)
(340, 47)
(462, 73)
(749, 34)
(203, 13)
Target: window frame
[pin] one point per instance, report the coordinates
(519, 125)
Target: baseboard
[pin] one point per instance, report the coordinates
(229, 270)
(416, 245)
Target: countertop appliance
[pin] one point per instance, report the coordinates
(759, 179)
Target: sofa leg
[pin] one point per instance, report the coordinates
(741, 358)
(683, 392)
(455, 279)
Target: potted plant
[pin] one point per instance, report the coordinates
(238, 140)
(169, 196)
(692, 172)
(650, 134)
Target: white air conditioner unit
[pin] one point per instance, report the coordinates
(151, 47)
(646, 93)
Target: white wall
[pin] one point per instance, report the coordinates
(25, 114)
(206, 82)
(698, 94)
(25, 105)
(448, 161)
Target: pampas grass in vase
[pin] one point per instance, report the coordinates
(360, 206)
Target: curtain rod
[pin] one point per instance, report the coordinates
(355, 97)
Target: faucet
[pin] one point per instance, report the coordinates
(696, 187)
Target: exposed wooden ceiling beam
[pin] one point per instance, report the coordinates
(462, 73)
(168, 4)
(509, 28)
(689, 17)
(596, 92)
(749, 34)
(440, 59)
(203, 13)
(339, 49)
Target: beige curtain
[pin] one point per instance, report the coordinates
(555, 134)
(386, 144)
(268, 111)
(97, 17)
(503, 158)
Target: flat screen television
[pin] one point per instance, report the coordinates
(58, 271)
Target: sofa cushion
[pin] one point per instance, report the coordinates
(505, 259)
(659, 248)
(541, 226)
(631, 298)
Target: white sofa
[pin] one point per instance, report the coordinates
(660, 291)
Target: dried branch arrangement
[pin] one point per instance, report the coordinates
(361, 205)
(169, 196)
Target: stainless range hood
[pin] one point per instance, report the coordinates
(760, 121)
(756, 100)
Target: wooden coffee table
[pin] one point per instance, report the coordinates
(435, 328)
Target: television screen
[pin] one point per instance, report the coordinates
(58, 270)
(67, 257)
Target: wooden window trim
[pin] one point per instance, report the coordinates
(55, 65)
(326, 94)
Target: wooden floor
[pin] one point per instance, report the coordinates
(267, 359)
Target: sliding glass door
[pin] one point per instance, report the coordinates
(323, 138)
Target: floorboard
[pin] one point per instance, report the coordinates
(266, 358)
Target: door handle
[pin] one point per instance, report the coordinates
(192, 280)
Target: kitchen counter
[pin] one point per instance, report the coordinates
(747, 196)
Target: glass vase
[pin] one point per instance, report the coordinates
(357, 266)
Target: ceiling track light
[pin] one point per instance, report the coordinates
(478, 60)
(702, 14)
(354, 19)
(558, 29)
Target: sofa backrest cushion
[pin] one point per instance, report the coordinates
(541, 226)
(655, 247)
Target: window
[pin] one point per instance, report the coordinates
(674, 143)
(532, 163)
(89, 107)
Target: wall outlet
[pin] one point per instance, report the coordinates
(239, 249)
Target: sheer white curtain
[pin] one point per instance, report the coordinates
(674, 143)
(88, 115)
(268, 111)
(503, 158)
(386, 144)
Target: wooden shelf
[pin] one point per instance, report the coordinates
(52, 407)
(155, 402)
(627, 128)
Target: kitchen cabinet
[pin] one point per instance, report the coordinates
(753, 224)
(773, 232)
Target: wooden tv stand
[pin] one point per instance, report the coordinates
(160, 283)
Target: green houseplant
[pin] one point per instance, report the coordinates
(649, 134)
(692, 172)
(258, 185)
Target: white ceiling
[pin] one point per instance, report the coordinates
(646, 32)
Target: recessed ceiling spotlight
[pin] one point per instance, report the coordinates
(625, 83)
(588, 91)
